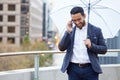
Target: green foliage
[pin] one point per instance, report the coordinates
(16, 62)
(26, 40)
(26, 43)
(39, 45)
(45, 60)
(26, 61)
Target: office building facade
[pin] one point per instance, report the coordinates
(19, 18)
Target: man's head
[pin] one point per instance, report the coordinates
(78, 16)
(76, 10)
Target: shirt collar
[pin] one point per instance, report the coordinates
(83, 28)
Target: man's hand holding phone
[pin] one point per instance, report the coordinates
(69, 26)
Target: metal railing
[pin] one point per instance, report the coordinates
(36, 57)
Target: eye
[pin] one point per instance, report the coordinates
(74, 20)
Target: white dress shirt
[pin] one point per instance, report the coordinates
(80, 54)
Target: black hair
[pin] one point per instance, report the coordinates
(77, 9)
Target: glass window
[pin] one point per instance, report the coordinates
(24, 20)
(11, 40)
(24, 31)
(1, 29)
(11, 29)
(24, 9)
(1, 6)
(1, 18)
(11, 7)
(24, 1)
(11, 18)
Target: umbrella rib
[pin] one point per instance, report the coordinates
(63, 8)
(84, 3)
(94, 3)
(103, 20)
(99, 16)
(103, 7)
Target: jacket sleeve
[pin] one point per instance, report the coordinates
(100, 47)
(64, 42)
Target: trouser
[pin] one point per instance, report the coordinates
(76, 72)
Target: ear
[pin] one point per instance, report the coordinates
(84, 15)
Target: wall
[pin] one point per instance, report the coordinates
(110, 72)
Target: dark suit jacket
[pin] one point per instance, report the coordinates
(98, 47)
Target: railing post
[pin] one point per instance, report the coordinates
(36, 67)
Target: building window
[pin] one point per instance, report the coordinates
(1, 29)
(1, 18)
(11, 40)
(24, 9)
(11, 29)
(1, 7)
(24, 1)
(24, 20)
(11, 7)
(24, 31)
(11, 18)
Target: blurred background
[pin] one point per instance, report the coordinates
(25, 25)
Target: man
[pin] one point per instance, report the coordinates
(83, 43)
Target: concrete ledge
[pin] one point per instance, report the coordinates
(110, 72)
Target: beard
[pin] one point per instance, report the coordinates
(81, 24)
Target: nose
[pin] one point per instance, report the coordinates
(77, 22)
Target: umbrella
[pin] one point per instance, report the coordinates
(102, 13)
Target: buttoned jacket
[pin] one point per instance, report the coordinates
(98, 46)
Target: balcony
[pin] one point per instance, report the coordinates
(110, 71)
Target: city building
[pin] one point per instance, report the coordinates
(19, 18)
(36, 20)
(10, 11)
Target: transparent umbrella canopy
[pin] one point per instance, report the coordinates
(101, 13)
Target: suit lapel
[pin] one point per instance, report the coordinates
(72, 36)
(89, 31)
